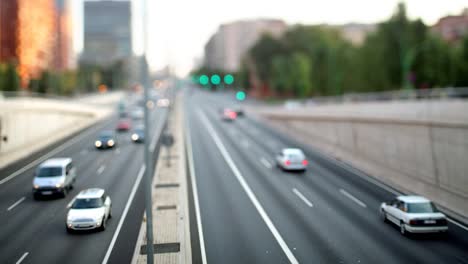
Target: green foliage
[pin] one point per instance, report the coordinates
(317, 60)
(9, 79)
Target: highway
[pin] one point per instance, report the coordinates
(34, 231)
(252, 212)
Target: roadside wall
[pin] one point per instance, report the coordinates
(32, 123)
(419, 147)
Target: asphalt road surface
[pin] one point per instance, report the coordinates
(252, 212)
(34, 231)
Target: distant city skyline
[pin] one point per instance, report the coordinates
(178, 30)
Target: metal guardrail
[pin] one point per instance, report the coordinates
(416, 94)
(26, 94)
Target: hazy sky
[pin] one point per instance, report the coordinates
(179, 29)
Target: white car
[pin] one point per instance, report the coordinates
(292, 159)
(414, 214)
(90, 209)
(54, 176)
(137, 113)
(162, 103)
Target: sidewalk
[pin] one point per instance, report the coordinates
(170, 201)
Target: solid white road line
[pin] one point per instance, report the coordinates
(53, 152)
(265, 163)
(302, 197)
(457, 224)
(101, 169)
(17, 202)
(356, 200)
(381, 185)
(22, 257)
(124, 214)
(247, 188)
(193, 179)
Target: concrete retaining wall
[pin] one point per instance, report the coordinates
(31, 123)
(419, 147)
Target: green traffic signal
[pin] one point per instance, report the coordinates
(204, 80)
(240, 95)
(215, 79)
(228, 79)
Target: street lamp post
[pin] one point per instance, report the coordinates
(148, 170)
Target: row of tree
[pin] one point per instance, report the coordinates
(85, 79)
(317, 60)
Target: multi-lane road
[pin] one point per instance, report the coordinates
(243, 208)
(249, 211)
(34, 231)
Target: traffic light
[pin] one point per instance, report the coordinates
(204, 80)
(240, 95)
(228, 79)
(215, 79)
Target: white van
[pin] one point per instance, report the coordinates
(54, 176)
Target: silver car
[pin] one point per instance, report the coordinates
(54, 176)
(292, 159)
(90, 209)
(414, 214)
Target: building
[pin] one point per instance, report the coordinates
(36, 35)
(452, 28)
(356, 33)
(65, 58)
(107, 32)
(226, 48)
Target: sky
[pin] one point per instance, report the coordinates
(179, 29)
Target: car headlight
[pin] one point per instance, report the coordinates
(98, 143)
(36, 186)
(134, 137)
(110, 143)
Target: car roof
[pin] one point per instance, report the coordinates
(90, 193)
(412, 199)
(106, 133)
(56, 162)
(293, 151)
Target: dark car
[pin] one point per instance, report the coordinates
(138, 135)
(105, 140)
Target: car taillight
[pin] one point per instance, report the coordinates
(287, 162)
(305, 162)
(232, 115)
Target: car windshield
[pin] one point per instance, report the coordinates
(87, 203)
(421, 208)
(49, 172)
(295, 156)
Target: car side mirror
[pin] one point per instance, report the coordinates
(69, 205)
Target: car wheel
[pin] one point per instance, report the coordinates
(69, 230)
(64, 192)
(110, 213)
(36, 196)
(103, 226)
(403, 229)
(383, 215)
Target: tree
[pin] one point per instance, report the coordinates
(9, 78)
